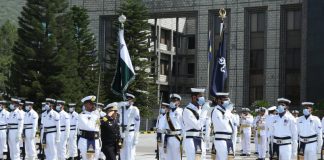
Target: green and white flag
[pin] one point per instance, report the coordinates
(124, 72)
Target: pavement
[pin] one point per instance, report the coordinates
(145, 149)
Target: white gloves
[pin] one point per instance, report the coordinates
(57, 138)
(136, 136)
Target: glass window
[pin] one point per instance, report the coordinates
(191, 42)
(191, 68)
(165, 37)
(257, 22)
(164, 67)
(294, 20)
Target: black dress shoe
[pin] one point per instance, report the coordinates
(243, 154)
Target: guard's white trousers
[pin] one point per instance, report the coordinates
(310, 151)
(256, 140)
(14, 144)
(246, 142)
(285, 152)
(50, 148)
(234, 140)
(128, 150)
(190, 148)
(262, 146)
(203, 150)
(3, 144)
(82, 145)
(72, 145)
(221, 150)
(61, 146)
(161, 152)
(173, 149)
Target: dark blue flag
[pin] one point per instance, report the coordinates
(219, 74)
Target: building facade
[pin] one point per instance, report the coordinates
(273, 46)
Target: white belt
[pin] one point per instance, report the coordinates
(13, 126)
(50, 130)
(305, 140)
(173, 132)
(223, 136)
(160, 131)
(194, 134)
(281, 141)
(3, 127)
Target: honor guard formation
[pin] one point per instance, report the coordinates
(197, 131)
(218, 127)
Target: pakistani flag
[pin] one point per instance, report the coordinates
(124, 72)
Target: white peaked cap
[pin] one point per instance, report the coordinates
(174, 95)
(88, 98)
(197, 90)
(307, 103)
(110, 105)
(283, 100)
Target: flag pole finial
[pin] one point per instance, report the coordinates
(222, 13)
(122, 20)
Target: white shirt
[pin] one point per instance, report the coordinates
(246, 123)
(65, 122)
(74, 120)
(131, 117)
(4, 115)
(31, 121)
(310, 126)
(16, 119)
(284, 126)
(175, 117)
(269, 124)
(222, 120)
(189, 119)
(260, 125)
(89, 121)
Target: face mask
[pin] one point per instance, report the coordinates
(226, 103)
(201, 101)
(306, 112)
(280, 109)
(71, 110)
(27, 108)
(172, 105)
(58, 108)
(230, 107)
(162, 110)
(83, 108)
(130, 103)
(47, 107)
(11, 107)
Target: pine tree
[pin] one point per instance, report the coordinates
(8, 35)
(137, 32)
(87, 65)
(41, 51)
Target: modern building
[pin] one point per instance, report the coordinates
(273, 46)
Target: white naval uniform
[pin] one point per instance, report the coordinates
(269, 126)
(51, 132)
(261, 135)
(310, 133)
(130, 136)
(159, 130)
(72, 145)
(30, 128)
(4, 115)
(255, 132)
(173, 144)
(15, 125)
(65, 133)
(246, 124)
(193, 128)
(206, 122)
(223, 131)
(89, 122)
(284, 134)
(236, 123)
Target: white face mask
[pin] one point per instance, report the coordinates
(11, 106)
(172, 105)
(47, 107)
(71, 110)
(58, 108)
(27, 108)
(162, 110)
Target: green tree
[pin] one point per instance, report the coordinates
(137, 32)
(87, 66)
(8, 36)
(44, 52)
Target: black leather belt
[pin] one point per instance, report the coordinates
(91, 135)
